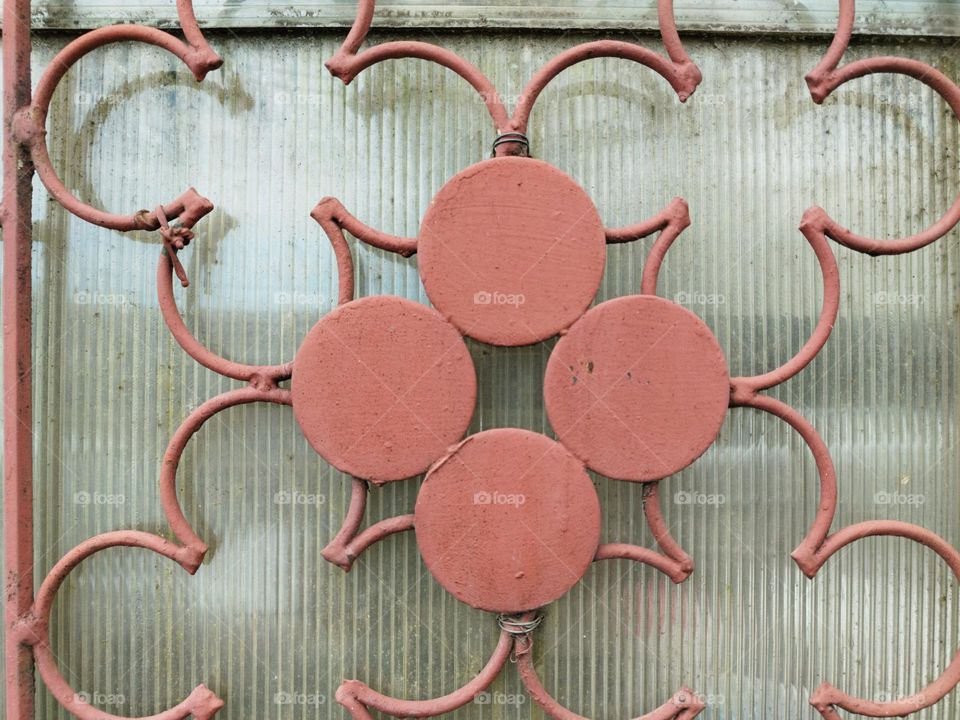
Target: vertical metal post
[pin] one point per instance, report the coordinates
(17, 362)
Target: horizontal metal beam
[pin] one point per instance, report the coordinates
(876, 17)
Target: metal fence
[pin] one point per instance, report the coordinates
(272, 627)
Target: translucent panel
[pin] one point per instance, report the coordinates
(273, 628)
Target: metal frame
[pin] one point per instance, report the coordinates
(773, 17)
(25, 115)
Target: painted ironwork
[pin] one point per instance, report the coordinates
(406, 385)
(632, 432)
(25, 117)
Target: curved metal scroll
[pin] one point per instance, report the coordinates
(684, 705)
(826, 77)
(196, 54)
(677, 68)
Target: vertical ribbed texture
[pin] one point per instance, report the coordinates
(265, 618)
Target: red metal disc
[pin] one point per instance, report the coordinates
(382, 387)
(638, 388)
(508, 521)
(512, 251)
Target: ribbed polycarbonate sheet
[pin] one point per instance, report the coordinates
(273, 628)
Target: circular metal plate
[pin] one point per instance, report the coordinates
(382, 387)
(512, 251)
(638, 389)
(509, 521)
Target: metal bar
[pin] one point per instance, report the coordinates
(875, 17)
(17, 386)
